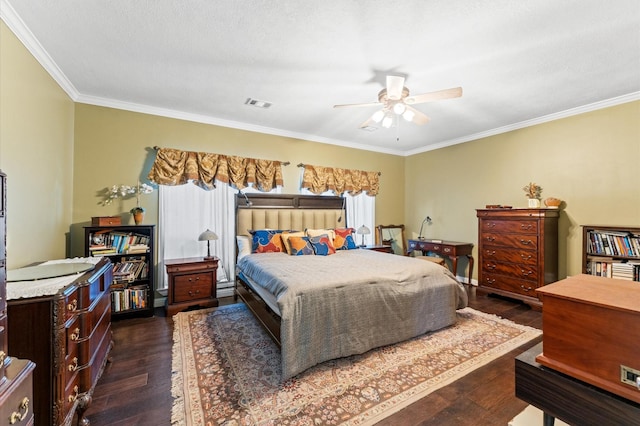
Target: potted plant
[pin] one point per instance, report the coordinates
(126, 191)
(533, 192)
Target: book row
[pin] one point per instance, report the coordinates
(129, 298)
(104, 243)
(610, 269)
(613, 243)
(130, 269)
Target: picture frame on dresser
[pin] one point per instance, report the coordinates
(131, 249)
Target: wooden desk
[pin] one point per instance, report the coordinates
(451, 249)
(569, 399)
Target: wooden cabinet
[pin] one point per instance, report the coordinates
(131, 250)
(16, 375)
(68, 336)
(611, 251)
(518, 251)
(192, 282)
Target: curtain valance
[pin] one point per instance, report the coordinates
(176, 167)
(318, 179)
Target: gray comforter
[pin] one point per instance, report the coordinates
(352, 301)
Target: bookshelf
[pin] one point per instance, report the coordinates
(611, 251)
(131, 250)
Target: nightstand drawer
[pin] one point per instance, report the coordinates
(192, 287)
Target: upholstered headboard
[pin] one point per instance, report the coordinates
(288, 211)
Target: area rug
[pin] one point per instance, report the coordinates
(226, 371)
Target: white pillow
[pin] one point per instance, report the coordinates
(244, 245)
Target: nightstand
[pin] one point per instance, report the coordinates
(192, 282)
(384, 248)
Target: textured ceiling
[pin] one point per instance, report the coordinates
(518, 62)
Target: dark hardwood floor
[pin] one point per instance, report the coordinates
(135, 388)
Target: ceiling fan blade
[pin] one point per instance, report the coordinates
(418, 117)
(358, 105)
(368, 122)
(394, 87)
(455, 92)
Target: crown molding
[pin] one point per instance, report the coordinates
(528, 123)
(18, 27)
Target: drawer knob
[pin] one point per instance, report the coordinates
(191, 293)
(525, 257)
(75, 335)
(73, 305)
(526, 242)
(526, 288)
(73, 397)
(446, 250)
(491, 239)
(3, 356)
(526, 273)
(491, 266)
(490, 280)
(22, 414)
(525, 227)
(490, 252)
(491, 224)
(194, 279)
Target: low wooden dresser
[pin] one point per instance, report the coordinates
(192, 282)
(518, 251)
(68, 336)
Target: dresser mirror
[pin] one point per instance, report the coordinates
(392, 235)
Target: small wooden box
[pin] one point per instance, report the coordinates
(591, 328)
(106, 221)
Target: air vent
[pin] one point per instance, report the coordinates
(257, 103)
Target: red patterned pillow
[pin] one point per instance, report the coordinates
(344, 239)
(267, 241)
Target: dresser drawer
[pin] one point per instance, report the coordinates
(524, 242)
(524, 272)
(510, 284)
(510, 226)
(189, 267)
(498, 254)
(17, 399)
(192, 287)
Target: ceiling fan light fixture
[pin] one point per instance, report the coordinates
(377, 116)
(387, 121)
(399, 108)
(408, 115)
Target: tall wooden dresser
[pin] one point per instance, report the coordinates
(67, 332)
(518, 251)
(16, 375)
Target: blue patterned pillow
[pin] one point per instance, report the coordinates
(322, 245)
(344, 239)
(266, 241)
(300, 246)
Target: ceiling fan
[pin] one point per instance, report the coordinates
(395, 101)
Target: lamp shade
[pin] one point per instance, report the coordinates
(363, 230)
(207, 235)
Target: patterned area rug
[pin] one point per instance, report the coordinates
(226, 371)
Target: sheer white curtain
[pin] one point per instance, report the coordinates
(185, 211)
(361, 210)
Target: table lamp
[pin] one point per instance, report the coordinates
(363, 230)
(207, 236)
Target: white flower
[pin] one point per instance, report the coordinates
(126, 191)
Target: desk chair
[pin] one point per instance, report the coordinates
(393, 235)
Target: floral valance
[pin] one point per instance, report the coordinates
(176, 167)
(319, 179)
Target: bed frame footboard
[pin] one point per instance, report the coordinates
(265, 316)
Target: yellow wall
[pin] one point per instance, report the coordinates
(115, 147)
(36, 153)
(591, 161)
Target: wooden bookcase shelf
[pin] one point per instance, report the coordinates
(611, 251)
(131, 250)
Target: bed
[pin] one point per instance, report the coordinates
(323, 307)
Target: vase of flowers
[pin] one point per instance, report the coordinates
(533, 192)
(126, 191)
